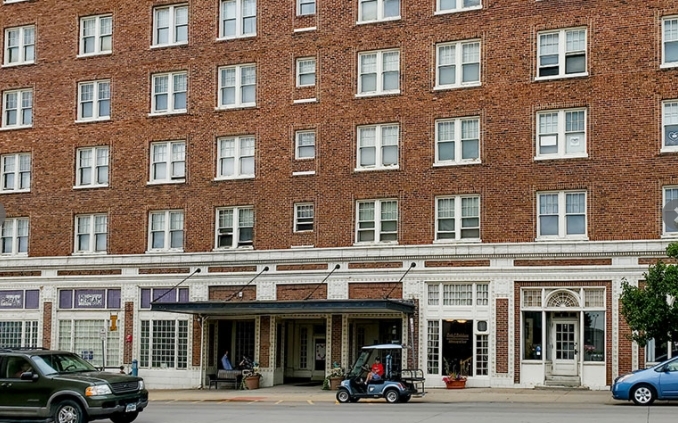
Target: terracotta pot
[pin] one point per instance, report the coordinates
(456, 384)
(252, 382)
(334, 383)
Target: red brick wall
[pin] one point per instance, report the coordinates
(196, 343)
(224, 293)
(301, 291)
(47, 325)
(335, 355)
(502, 336)
(375, 291)
(129, 331)
(265, 341)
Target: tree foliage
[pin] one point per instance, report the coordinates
(645, 307)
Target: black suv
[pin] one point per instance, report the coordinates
(45, 385)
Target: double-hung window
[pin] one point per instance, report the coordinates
(166, 230)
(16, 172)
(169, 93)
(561, 133)
(670, 125)
(561, 53)
(92, 167)
(670, 194)
(94, 100)
(237, 86)
(96, 35)
(378, 146)
(238, 18)
(458, 64)
(458, 218)
(91, 233)
(14, 236)
(561, 215)
(235, 227)
(235, 157)
(378, 10)
(377, 221)
(20, 45)
(168, 162)
(670, 41)
(306, 72)
(303, 217)
(305, 7)
(163, 344)
(304, 145)
(170, 25)
(447, 6)
(17, 109)
(379, 72)
(457, 141)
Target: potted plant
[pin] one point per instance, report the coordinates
(454, 378)
(251, 380)
(334, 378)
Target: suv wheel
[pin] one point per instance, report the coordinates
(68, 411)
(124, 418)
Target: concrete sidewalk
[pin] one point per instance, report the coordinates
(314, 394)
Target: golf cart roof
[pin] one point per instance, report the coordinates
(384, 347)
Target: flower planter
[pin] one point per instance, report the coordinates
(335, 382)
(455, 384)
(252, 382)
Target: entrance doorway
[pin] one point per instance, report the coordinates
(564, 336)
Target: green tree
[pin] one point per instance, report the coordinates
(646, 309)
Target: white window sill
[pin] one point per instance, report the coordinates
(668, 65)
(456, 86)
(376, 168)
(12, 65)
(167, 251)
(305, 100)
(551, 78)
(374, 243)
(157, 46)
(299, 247)
(377, 94)
(304, 173)
(306, 86)
(237, 37)
(561, 239)
(457, 241)
(13, 191)
(249, 247)
(572, 156)
(86, 55)
(669, 149)
(669, 235)
(13, 128)
(304, 158)
(236, 107)
(166, 182)
(100, 119)
(89, 253)
(14, 255)
(174, 112)
(310, 28)
(464, 163)
(389, 19)
(466, 9)
(90, 186)
(233, 178)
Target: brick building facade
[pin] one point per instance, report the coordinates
(278, 146)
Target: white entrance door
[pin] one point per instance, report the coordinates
(564, 341)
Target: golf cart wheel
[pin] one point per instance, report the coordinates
(643, 395)
(392, 396)
(343, 396)
(405, 398)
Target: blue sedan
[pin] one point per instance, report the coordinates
(646, 385)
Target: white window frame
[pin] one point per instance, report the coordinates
(24, 46)
(24, 102)
(239, 19)
(380, 11)
(150, 359)
(669, 124)
(304, 215)
(103, 38)
(562, 136)
(461, 221)
(17, 173)
(562, 53)
(13, 236)
(99, 159)
(240, 155)
(302, 72)
(101, 93)
(171, 92)
(458, 138)
(173, 25)
(170, 160)
(665, 199)
(669, 35)
(378, 147)
(237, 223)
(459, 6)
(167, 230)
(301, 143)
(381, 235)
(562, 215)
(238, 86)
(379, 73)
(302, 3)
(460, 62)
(93, 227)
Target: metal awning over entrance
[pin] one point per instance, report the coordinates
(223, 308)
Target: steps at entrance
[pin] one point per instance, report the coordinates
(563, 381)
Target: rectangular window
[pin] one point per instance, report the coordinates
(238, 18)
(20, 299)
(458, 141)
(378, 10)
(92, 167)
(168, 162)
(17, 334)
(235, 227)
(235, 157)
(458, 64)
(20, 45)
(16, 172)
(457, 347)
(433, 347)
(305, 7)
(169, 93)
(670, 41)
(561, 53)
(237, 86)
(162, 295)
(91, 233)
(458, 294)
(433, 293)
(458, 218)
(594, 336)
(96, 35)
(670, 125)
(482, 367)
(83, 337)
(304, 144)
(378, 146)
(482, 294)
(561, 133)
(17, 109)
(15, 236)
(561, 215)
(170, 25)
(94, 100)
(306, 72)
(303, 217)
(89, 299)
(670, 194)
(166, 231)
(446, 6)
(379, 72)
(533, 344)
(377, 221)
(164, 344)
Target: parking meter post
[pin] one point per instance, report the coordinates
(135, 367)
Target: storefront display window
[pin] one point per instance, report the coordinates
(457, 346)
(594, 336)
(533, 344)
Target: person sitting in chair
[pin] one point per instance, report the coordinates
(225, 362)
(376, 372)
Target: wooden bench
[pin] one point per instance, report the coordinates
(233, 378)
